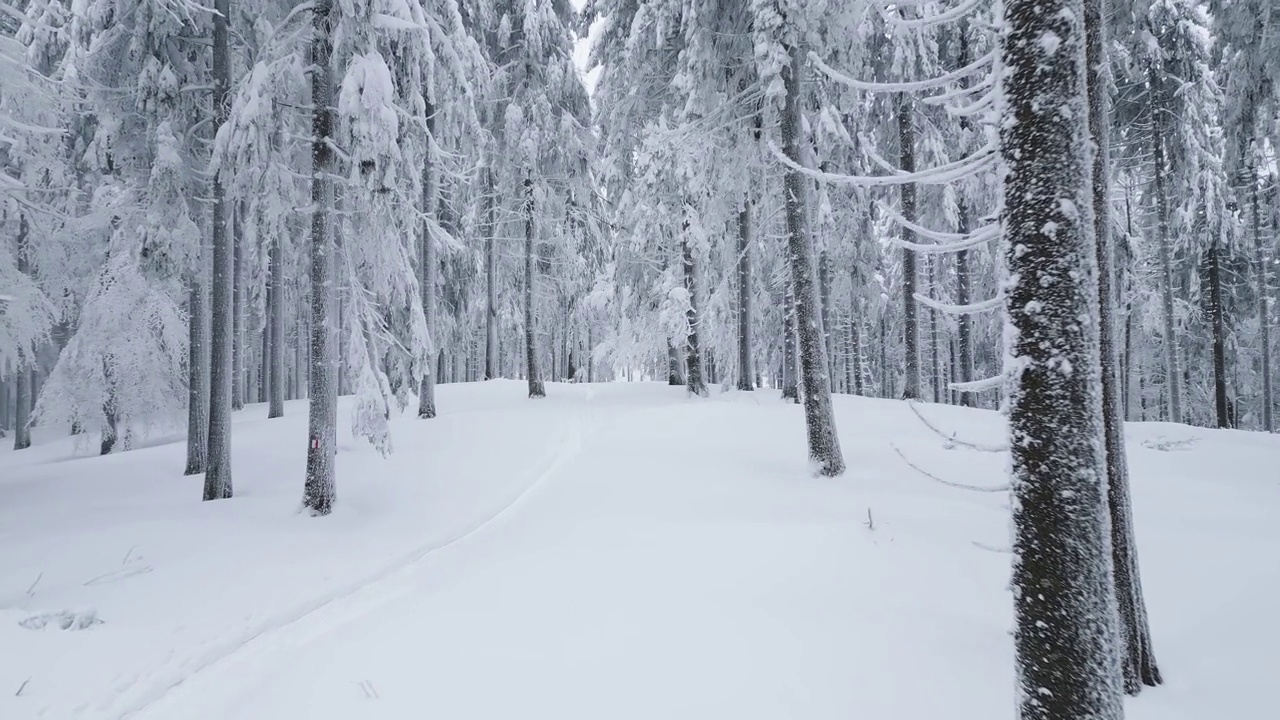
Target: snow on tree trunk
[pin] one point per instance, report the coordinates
(1172, 375)
(197, 378)
(964, 324)
(237, 312)
(534, 374)
(24, 393)
(744, 296)
(275, 320)
(427, 279)
(1264, 307)
(320, 489)
(491, 369)
(824, 293)
(790, 384)
(910, 327)
(217, 478)
(820, 422)
(855, 339)
(935, 366)
(1138, 660)
(694, 381)
(1065, 617)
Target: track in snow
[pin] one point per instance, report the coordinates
(332, 610)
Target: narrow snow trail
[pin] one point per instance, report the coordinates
(651, 573)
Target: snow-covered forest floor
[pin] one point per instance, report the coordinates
(615, 551)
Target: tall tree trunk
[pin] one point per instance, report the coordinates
(964, 324)
(693, 349)
(536, 389)
(820, 421)
(491, 369)
(237, 307)
(911, 330)
(744, 296)
(1221, 404)
(824, 294)
(427, 279)
(1264, 308)
(1172, 375)
(1065, 617)
(322, 419)
(1138, 660)
(790, 384)
(197, 377)
(275, 320)
(855, 341)
(217, 477)
(24, 395)
(935, 366)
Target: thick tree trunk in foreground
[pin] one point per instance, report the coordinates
(820, 421)
(536, 388)
(320, 491)
(1065, 631)
(427, 277)
(217, 477)
(1138, 660)
(910, 327)
(744, 296)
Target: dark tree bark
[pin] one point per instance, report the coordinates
(744, 296)
(820, 422)
(536, 388)
(1138, 660)
(217, 478)
(320, 489)
(238, 347)
(911, 330)
(491, 369)
(197, 378)
(1065, 615)
(427, 275)
(1219, 336)
(1264, 305)
(275, 320)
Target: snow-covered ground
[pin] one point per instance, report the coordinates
(615, 551)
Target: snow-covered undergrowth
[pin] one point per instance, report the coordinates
(614, 551)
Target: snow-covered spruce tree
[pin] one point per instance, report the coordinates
(780, 28)
(217, 477)
(123, 370)
(543, 136)
(1139, 665)
(1065, 632)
